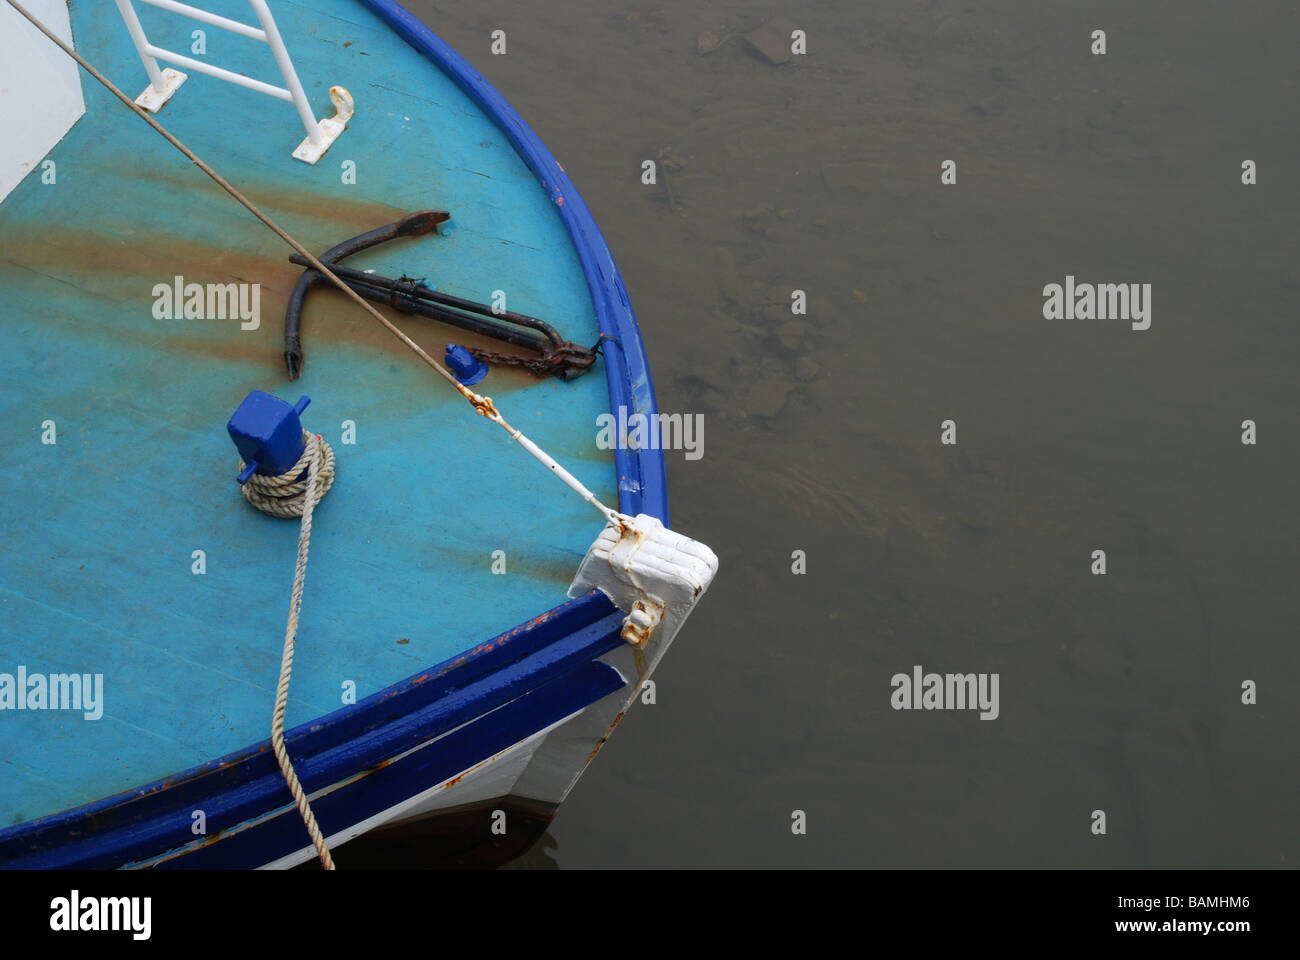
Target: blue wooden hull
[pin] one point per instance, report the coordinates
(439, 723)
(404, 737)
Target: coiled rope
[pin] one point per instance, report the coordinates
(285, 495)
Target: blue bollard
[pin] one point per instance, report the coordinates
(268, 434)
(468, 368)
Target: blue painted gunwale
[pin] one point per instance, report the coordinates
(541, 671)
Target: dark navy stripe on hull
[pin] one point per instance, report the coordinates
(389, 786)
(248, 787)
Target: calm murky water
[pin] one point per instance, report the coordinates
(1120, 693)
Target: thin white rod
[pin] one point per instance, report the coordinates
(141, 45)
(220, 72)
(573, 483)
(286, 69)
(194, 13)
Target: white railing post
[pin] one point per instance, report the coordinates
(162, 84)
(276, 43)
(137, 37)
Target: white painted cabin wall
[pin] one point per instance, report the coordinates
(40, 90)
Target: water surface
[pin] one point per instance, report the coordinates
(1120, 692)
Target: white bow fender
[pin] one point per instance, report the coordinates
(654, 574)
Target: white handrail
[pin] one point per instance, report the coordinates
(221, 73)
(269, 34)
(194, 13)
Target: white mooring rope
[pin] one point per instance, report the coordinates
(286, 496)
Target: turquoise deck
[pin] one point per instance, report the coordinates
(98, 530)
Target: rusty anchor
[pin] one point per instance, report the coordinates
(555, 356)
